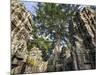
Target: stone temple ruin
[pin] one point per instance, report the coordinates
(21, 22)
(25, 61)
(84, 27)
(21, 28)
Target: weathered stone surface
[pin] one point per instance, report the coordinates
(83, 38)
(80, 56)
(21, 22)
(23, 60)
(35, 62)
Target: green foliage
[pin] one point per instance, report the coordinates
(51, 19)
(51, 16)
(43, 43)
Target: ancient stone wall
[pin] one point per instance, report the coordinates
(22, 59)
(21, 22)
(80, 56)
(84, 38)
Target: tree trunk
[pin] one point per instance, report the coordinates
(56, 52)
(75, 60)
(73, 48)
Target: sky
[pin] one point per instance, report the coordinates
(30, 6)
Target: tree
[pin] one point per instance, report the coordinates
(53, 20)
